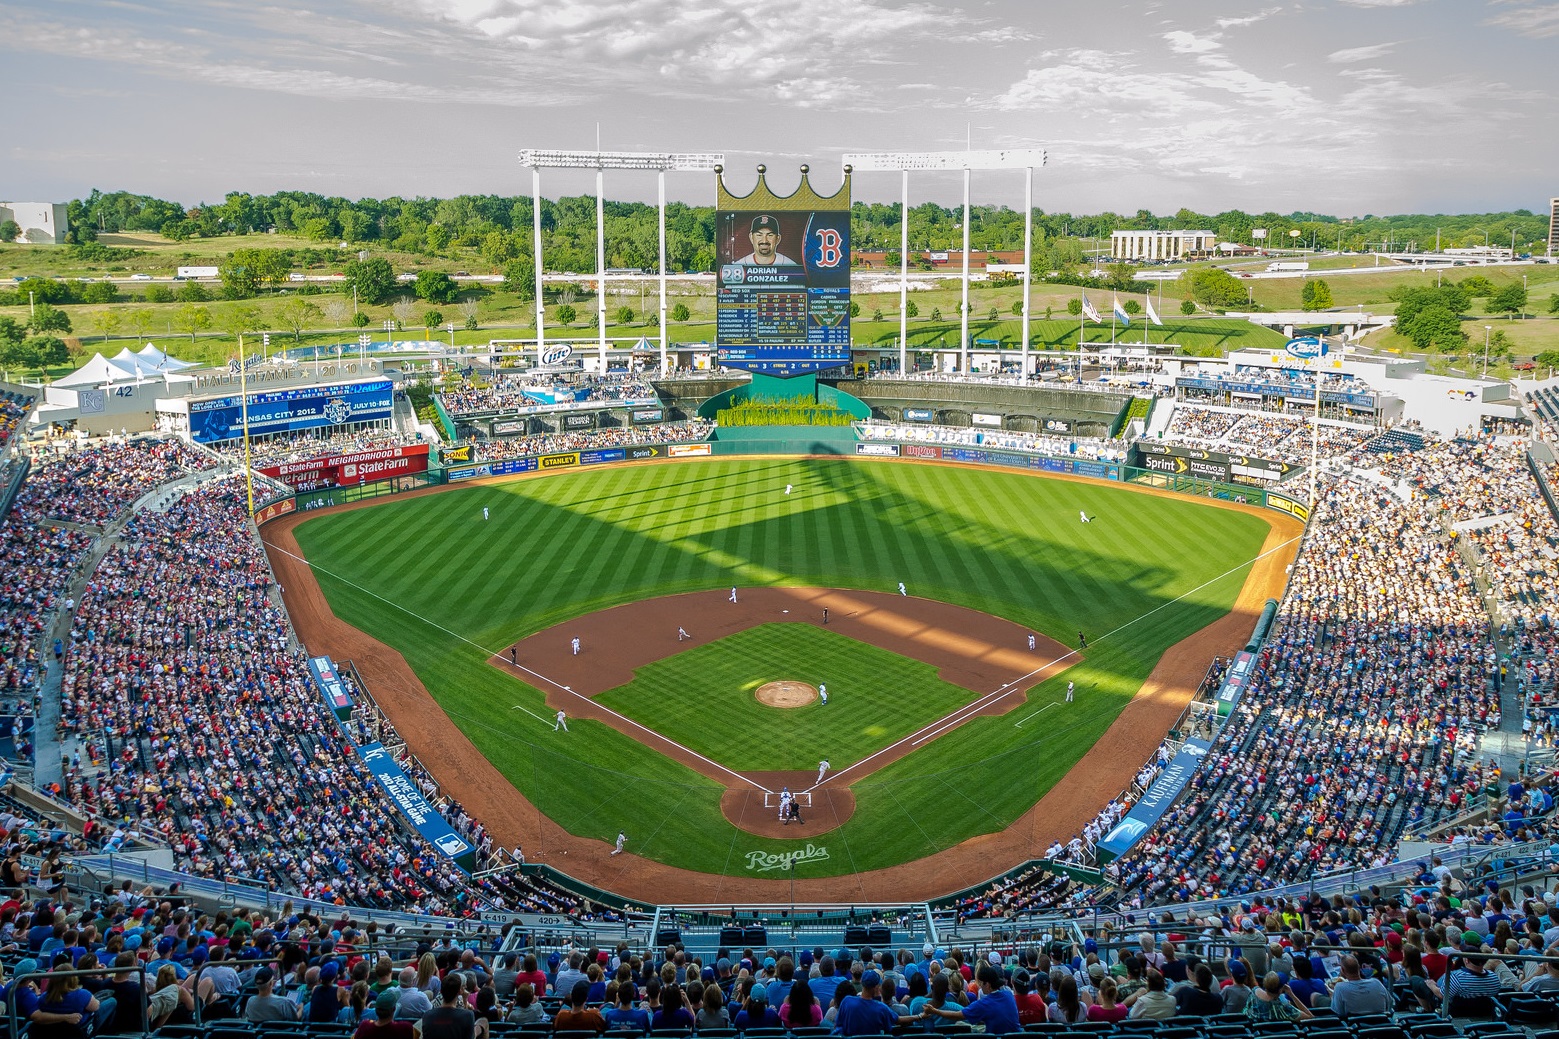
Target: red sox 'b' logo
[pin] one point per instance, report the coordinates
(829, 252)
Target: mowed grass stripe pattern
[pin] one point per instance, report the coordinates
(562, 545)
(705, 698)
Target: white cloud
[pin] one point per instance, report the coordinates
(1350, 55)
(1182, 42)
(1250, 19)
(1535, 20)
(1379, 3)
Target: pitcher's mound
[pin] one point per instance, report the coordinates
(786, 694)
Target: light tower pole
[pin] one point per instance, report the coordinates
(658, 162)
(1025, 159)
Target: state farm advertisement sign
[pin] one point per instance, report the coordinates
(357, 467)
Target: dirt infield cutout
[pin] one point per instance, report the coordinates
(786, 694)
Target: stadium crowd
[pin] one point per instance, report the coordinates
(1364, 712)
(95, 483)
(484, 450)
(518, 391)
(13, 408)
(180, 675)
(1095, 448)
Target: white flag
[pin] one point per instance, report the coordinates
(1089, 311)
(1152, 314)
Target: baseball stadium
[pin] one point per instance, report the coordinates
(777, 655)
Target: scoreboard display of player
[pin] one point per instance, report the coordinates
(783, 296)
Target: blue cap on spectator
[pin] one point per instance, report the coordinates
(26, 967)
(768, 961)
(132, 942)
(1089, 945)
(707, 975)
(871, 979)
(165, 944)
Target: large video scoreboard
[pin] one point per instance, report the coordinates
(782, 303)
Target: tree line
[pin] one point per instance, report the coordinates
(496, 229)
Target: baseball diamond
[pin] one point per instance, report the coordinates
(428, 604)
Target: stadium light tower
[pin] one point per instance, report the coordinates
(1008, 159)
(659, 162)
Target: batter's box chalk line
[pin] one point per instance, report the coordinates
(802, 797)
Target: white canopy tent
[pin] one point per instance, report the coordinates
(127, 366)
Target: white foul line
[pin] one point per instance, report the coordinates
(967, 711)
(535, 674)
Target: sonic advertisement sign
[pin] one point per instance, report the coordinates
(1160, 796)
(782, 302)
(282, 411)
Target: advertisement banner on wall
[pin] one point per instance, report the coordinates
(919, 415)
(284, 411)
(562, 460)
(1160, 796)
(607, 454)
(581, 421)
(919, 451)
(642, 416)
(688, 450)
(356, 467)
(504, 467)
(421, 815)
(510, 427)
(980, 419)
(1058, 425)
(275, 510)
(877, 450)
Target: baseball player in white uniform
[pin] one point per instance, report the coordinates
(822, 769)
(1082, 515)
(784, 806)
(484, 512)
(733, 593)
(1031, 643)
(1070, 688)
(822, 693)
(575, 644)
(622, 839)
(561, 723)
(901, 589)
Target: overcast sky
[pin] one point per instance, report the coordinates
(1338, 106)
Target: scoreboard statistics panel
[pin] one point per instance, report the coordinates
(783, 282)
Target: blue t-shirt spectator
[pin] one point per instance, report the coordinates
(997, 1011)
(860, 1016)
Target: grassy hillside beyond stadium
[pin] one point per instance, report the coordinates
(430, 578)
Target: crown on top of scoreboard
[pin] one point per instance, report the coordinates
(805, 198)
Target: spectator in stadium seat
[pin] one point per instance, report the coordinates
(1108, 1008)
(452, 1019)
(381, 1024)
(575, 1017)
(1237, 992)
(1153, 1002)
(266, 1005)
(1418, 981)
(996, 1008)
(1470, 989)
(1068, 1008)
(527, 1009)
(867, 1014)
(712, 1012)
(414, 1003)
(1302, 982)
(1355, 995)
(1198, 999)
(1274, 1002)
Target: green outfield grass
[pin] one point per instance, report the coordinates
(704, 698)
(445, 589)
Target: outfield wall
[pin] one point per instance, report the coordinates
(821, 441)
